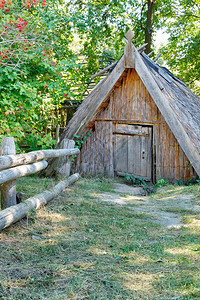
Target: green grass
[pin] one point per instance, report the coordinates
(78, 247)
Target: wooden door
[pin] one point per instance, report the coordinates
(133, 150)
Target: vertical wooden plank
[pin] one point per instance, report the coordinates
(154, 152)
(110, 106)
(138, 87)
(128, 95)
(133, 103)
(177, 160)
(134, 152)
(148, 143)
(108, 160)
(113, 114)
(121, 151)
(93, 151)
(98, 152)
(144, 153)
(166, 157)
(111, 152)
(162, 149)
(103, 132)
(87, 141)
(84, 158)
(173, 158)
(142, 100)
(114, 148)
(123, 99)
(181, 164)
(158, 151)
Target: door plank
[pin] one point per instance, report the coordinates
(121, 155)
(133, 151)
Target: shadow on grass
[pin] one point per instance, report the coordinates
(81, 249)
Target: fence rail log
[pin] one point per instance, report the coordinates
(60, 166)
(9, 161)
(14, 213)
(14, 173)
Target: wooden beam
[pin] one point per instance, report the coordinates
(129, 51)
(14, 173)
(129, 132)
(149, 54)
(142, 48)
(170, 117)
(157, 57)
(104, 70)
(9, 161)
(126, 121)
(15, 213)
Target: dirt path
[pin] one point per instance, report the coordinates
(165, 210)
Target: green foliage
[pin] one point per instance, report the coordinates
(48, 47)
(37, 68)
(182, 51)
(147, 186)
(179, 182)
(37, 141)
(193, 181)
(79, 140)
(162, 182)
(134, 179)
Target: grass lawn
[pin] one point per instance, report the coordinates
(78, 247)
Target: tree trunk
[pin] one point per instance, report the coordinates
(149, 25)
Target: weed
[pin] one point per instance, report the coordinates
(162, 182)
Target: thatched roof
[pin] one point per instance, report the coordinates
(185, 104)
(179, 106)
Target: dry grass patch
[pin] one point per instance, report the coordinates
(80, 248)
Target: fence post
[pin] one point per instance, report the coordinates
(57, 133)
(64, 163)
(8, 189)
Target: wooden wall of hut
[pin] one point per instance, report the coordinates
(131, 104)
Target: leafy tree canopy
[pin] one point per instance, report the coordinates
(49, 46)
(183, 50)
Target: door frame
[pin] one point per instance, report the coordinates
(153, 148)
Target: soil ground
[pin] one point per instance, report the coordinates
(156, 208)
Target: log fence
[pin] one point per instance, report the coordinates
(13, 166)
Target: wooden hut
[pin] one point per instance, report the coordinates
(142, 120)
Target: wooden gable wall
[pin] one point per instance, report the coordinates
(131, 103)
